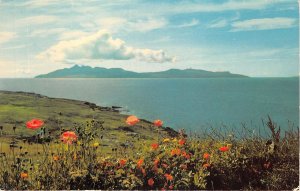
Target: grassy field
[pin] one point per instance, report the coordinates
(110, 154)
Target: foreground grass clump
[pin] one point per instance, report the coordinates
(77, 160)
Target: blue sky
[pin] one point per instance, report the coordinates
(252, 37)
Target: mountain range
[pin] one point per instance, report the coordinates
(78, 71)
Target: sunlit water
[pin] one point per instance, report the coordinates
(193, 104)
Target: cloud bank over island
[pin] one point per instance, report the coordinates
(101, 45)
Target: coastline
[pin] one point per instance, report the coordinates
(16, 107)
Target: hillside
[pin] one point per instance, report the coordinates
(88, 72)
(18, 107)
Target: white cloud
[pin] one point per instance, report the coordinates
(46, 32)
(36, 20)
(196, 6)
(219, 24)
(263, 24)
(39, 4)
(146, 25)
(101, 46)
(141, 25)
(72, 34)
(6, 36)
(192, 23)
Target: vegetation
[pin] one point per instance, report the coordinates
(52, 154)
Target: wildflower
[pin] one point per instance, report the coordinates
(140, 163)
(154, 146)
(34, 124)
(96, 144)
(156, 161)
(24, 175)
(171, 187)
(187, 156)
(150, 182)
(175, 152)
(169, 177)
(143, 171)
(166, 140)
(55, 158)
(68, 137)
(181, 142)
(206, 165)
(183, 166)
(224, 149)
(132, 120)
(174, 140)
(122, 162)
(267, 165)
(206, 156)
(158, 123)
(165, 165)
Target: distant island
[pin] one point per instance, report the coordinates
(89, 72)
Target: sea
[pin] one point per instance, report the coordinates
(191, 104)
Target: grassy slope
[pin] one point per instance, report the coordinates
(17, 108)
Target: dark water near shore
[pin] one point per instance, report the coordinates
(181, 103)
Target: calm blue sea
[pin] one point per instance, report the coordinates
(193, 104)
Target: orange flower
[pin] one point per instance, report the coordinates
(143, 171)
(169, 177)
(24, 175)
(181, 141)
(150, 182)
(55, 158)
(187, 156)
(206, 156)
(132, 120)
(158, 123)
(122, 162)
(206, 165)
(156, 161)
(34, 124)
(154, 146)
(175, 152)
(68, 137)
(140, 163)
(224, 149)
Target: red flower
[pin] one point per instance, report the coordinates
(171, 187)
(68, 137)
(169, 177)
(187, 156)
(140, 163)
(154, 146)
(150, 182)
(158, 123)
(122, 162)
(206, 156)
(224, 149)
(181, 142)
(132, 120)
(34, 124)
